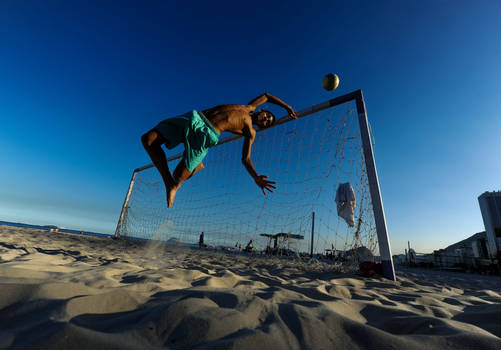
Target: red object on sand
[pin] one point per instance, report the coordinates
(369, 268)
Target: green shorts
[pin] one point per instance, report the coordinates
(195, 131)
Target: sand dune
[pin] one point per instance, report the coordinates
(62, 291)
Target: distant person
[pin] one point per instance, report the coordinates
(200, 130)
(201, 241)
(249, 246)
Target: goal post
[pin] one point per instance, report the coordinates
(377, 201)
(307, 159)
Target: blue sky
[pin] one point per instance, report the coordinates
(82, 80)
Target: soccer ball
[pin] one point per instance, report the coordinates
(330, 82)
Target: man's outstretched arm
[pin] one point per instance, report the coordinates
(266, 97)
(260, 180)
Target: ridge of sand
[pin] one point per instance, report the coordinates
(60, 291)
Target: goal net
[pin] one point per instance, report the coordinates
(308, 158)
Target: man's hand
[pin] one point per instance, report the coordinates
(265, 184)
(291, 112)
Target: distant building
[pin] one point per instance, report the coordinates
(490, 206)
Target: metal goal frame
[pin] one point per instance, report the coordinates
(375, 192)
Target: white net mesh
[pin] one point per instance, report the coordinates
(308, 158)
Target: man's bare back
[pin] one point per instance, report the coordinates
(237, 119)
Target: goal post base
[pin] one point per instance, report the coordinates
(388, 270)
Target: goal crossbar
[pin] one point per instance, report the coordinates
(303, 113)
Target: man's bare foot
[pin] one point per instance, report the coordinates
(171, 194)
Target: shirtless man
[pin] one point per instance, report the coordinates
(200, 131)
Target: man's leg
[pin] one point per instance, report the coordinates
(152, 143)
(181, 174)
(196, 170)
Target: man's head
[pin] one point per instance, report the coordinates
(263, 119)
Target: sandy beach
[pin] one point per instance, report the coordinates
(63, 291)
